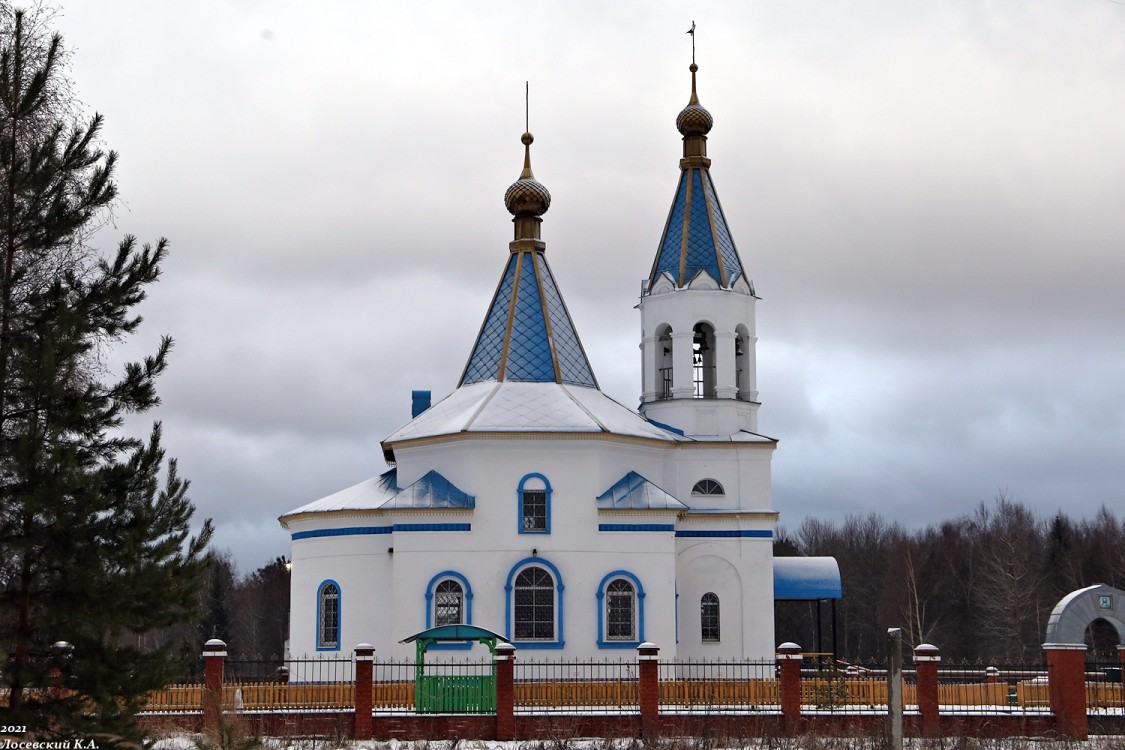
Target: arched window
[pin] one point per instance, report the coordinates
(533, 608)
(709, 618)
(449, 603)
(621, 612)
(328, 617)
(535, 505)
(707, 487)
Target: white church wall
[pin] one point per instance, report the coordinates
(740, 573)
(361, 568)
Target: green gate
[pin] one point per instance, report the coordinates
(463, 688)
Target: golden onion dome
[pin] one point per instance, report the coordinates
(526, 196)
(694, 119)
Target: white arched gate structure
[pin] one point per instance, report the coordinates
(1075, 611)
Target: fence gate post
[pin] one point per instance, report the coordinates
(214, 654)
(505, 660)
(364, 663)
(926, 660)
(648, 686)
(789, 663)
(1066, 683)
(894, 688)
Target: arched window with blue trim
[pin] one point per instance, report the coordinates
(620, 610)
(535, 604)
(449, 603)
(534, 497)
(449, 600)
(328, 616)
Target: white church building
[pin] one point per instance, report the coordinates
(530, 503)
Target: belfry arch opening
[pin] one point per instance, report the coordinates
(742, 364)
(662, 364)
(703, 361)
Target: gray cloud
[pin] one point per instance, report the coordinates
(928, 197)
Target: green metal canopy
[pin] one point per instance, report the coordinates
(456, 633)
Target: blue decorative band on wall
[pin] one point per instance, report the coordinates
(636, 527)
(751, 533)
(366, 530)
(433, 527)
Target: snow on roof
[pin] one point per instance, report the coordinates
(493, 406)
(383, 493)
(367, 495)
(806, 578)
(633, 491)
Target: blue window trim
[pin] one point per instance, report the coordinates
(467, 590)
(527, 562)
(339, 614)
(663, 527)
(639, 599)
(519, 496)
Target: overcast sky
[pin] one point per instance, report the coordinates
(929, 197)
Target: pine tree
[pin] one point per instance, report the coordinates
(96, 546)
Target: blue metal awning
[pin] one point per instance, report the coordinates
(806, 578)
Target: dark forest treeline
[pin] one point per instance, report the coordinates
(250, 612)
(980, 587)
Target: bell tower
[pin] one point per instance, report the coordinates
(697, 305)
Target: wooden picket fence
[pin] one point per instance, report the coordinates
(820, 692)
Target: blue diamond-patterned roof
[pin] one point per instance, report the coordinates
(696, 237)
(528, 335)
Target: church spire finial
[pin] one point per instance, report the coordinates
(526, 199)
(694, 121)
(527, 138)
(694, 97)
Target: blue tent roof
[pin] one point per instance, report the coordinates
(634, 491)
(696, 238)
(527, 334)
(806, 578)
(431, 491)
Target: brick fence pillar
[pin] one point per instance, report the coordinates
(364, 664)
(505, 691)
(1066, 682)
(648, 686)
(926, 660)
(789, 664)
(214, 655)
